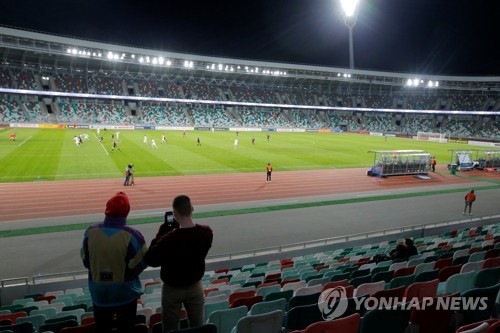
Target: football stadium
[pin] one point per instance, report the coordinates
(361, 162)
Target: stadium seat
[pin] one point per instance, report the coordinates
(287, 295)
(207, 328)
(349, 324)
(88, 328)
(385, 320)
(225, 320)
(487, 277)
(420, 290)
(299, 317)
(390, 293)
(35, 320)
(430, 318)
(470, 316)
(303, 300)
(246, 301)
(369, 288)
(458, 283)
(56, 327)
(25, 327)
(265, 322)
(269, 306)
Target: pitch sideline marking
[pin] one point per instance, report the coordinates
(101, 144)
(22, 143)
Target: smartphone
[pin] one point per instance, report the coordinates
(169, 218)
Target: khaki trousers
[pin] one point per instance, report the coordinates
(172, 299)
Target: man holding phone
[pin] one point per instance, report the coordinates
(180, 248)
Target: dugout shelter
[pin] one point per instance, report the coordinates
(399, 162)
(488, 160)
(481, 159)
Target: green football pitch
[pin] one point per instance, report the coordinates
(51, 154)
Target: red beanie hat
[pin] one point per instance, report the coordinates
(118, 205)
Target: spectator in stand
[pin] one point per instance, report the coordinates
(411, 249)
(400, 252)
(181, 254)
(113, 254)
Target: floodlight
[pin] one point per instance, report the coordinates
(191, 64)
(436, 84)
(220, 67)
(88, 53)
(409, 82)
(155, 61)
(74, 51)
(415, 82)
(284, 73)
(99, 55)
(132, 56)
(349, 7)
(169, 62)
(110, 55)
(161, 60)
(68, 50)
(94, 54)
(115, 57)
(147, 60)
(430, 84)
(141, 60)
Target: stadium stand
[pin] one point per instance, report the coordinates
(10, 112)
(211, 117)
(71, 83)
(163, 115)
(230, 304)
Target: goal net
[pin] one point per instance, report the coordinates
(435, 137)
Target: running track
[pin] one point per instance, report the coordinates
(27, 201)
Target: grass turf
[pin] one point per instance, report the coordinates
(51, 154)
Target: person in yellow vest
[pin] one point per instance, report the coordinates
(469, 199)
(269, 172)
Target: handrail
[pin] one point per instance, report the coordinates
(3, 281)
(282, 248)
(337, 239)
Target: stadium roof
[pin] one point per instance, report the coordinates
(38, 50)
(449, 37)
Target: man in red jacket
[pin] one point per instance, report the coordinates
(181, 252)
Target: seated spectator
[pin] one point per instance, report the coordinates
(400, 252)
(411, 249)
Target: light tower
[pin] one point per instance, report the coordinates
(350, 16)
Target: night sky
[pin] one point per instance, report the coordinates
(441, 37)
